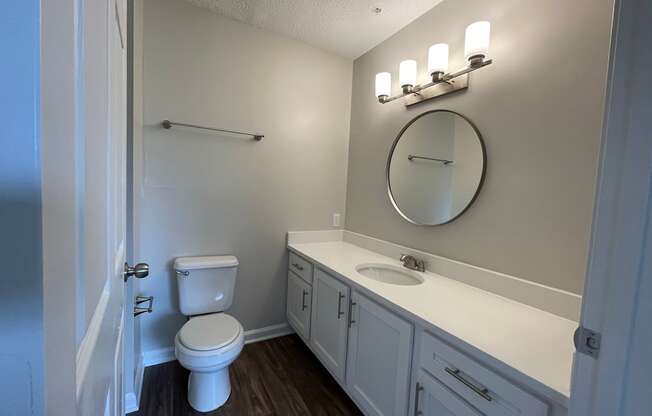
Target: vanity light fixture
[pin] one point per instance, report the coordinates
(383, 84)
(476, 50)
(407, 74)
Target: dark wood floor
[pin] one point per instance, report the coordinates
(278, 377)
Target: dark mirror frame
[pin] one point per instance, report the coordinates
(389, 163)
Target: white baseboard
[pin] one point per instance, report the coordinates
(131, 403)
(268, 332)
(164, 355)
(159, 356)
(132, 399)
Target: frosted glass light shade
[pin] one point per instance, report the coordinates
(438, 58)
(476, 40)
(407, 72)
(383, 84)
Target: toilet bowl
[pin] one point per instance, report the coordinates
(211, 339)
(206, 345)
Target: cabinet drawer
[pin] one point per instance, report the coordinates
(301, 266)
(488, 392)
(434, 399)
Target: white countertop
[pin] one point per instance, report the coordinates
(536, 343)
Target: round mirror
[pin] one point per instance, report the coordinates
(435, 168)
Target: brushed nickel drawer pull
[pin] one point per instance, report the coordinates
(351, 320)
(417, 412)
(303, 300)
(480, 391)
(298, 266)
(339, 305)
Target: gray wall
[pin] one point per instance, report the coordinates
(539, 109)
(21, 284)
(205, 193)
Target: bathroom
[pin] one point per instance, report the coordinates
(321, 163)
(434, 207)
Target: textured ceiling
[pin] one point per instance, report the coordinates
(346, 27)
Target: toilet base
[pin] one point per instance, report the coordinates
(208, 391)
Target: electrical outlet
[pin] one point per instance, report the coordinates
(336, 220)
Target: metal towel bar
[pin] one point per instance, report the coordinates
(444, 161)
(167, 124)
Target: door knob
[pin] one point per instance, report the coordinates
(138, 271)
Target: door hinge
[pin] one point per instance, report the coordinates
(587, 341)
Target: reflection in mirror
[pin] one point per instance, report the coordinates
(435, 168)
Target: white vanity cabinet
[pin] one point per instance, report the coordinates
(451, 383)
(329, 322)
(299, 303)
(390, 364)
(379, 358)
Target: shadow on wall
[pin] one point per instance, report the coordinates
(21, 295)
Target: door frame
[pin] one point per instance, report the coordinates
(61, 159)
(621, 215)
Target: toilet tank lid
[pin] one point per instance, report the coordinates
(204, 262)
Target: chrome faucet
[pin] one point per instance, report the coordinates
(413, 263)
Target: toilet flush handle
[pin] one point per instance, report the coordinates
(184, 273)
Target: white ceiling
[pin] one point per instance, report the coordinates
(347, 27)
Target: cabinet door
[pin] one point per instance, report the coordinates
(329, 324)
(434, 399)
(379, 358)
(298, 305)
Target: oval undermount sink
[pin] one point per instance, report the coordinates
(388, 273)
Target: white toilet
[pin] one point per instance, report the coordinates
(211, 340)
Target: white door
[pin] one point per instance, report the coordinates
(298, 305)
(379, 358)
(329, 324)
(100, 355)
(434, 399)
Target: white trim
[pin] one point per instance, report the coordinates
(132, 399)
(268, 332)
(549, 299)
(159, 356)
(88, 343)
(164, 355)
(619, 243)
(321, 236)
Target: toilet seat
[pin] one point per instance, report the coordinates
(212, 332)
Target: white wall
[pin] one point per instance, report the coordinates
(205, 193)
(539, 109)
(21, 284)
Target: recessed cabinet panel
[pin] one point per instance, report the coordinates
(379, 358)
(298, 305)
(329, 325)
(434, 399)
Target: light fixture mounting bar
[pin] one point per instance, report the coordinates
(446, 84)
(437, 90)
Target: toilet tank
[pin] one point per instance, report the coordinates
(205, 284)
